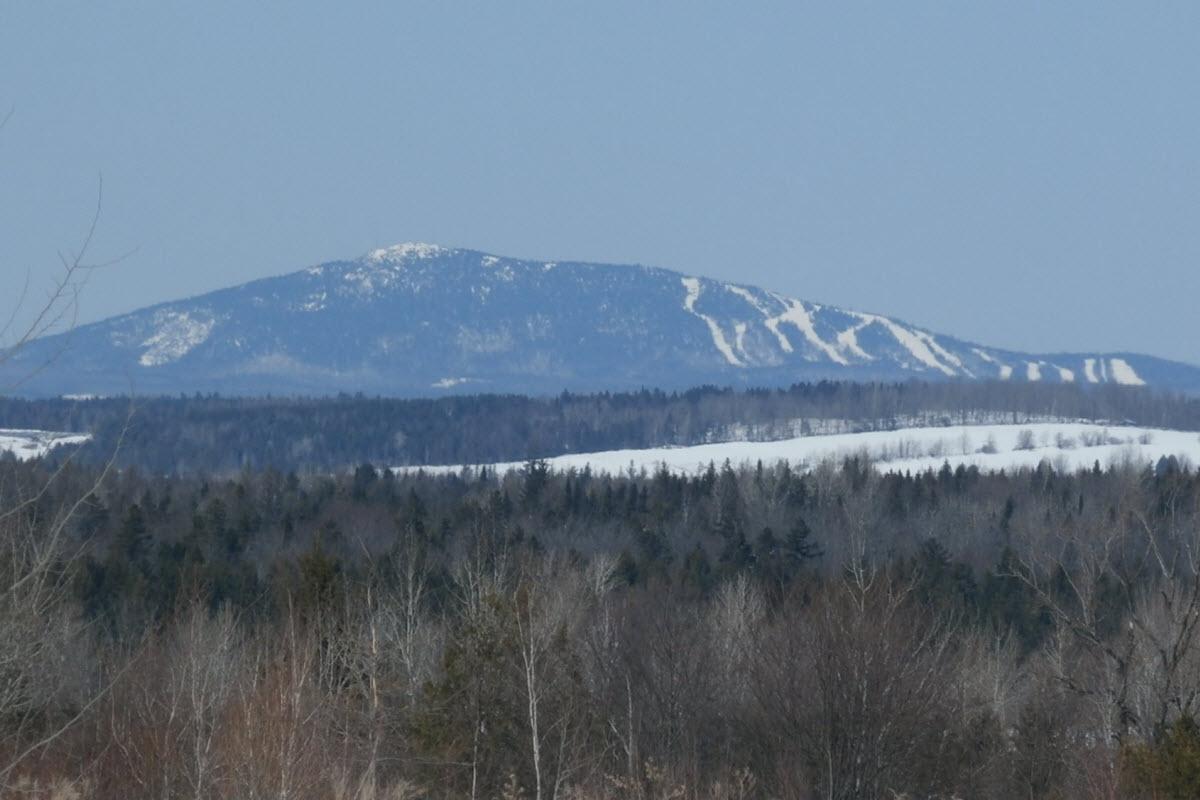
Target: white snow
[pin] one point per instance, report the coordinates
(177, 333)
(910, 340)
(692, 286)
(749, 297)
(405, 251)
(942, 352)
(1066, 445)
(1115, 369)
(739, 337)
(848, 340)
(449, 383)
(984, 355)
(1005, 370)
(384, 268)
(921, 345)
(771, 323)
(32, 444)
(1123, 373)
(504, 272)
(314, 302)
(799, 317)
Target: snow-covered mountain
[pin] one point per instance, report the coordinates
(417, 319)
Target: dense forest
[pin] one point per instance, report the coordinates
(738, 633)
(224, 435)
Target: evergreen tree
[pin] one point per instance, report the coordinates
(132, 538)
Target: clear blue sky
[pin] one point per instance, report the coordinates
(1022, 174)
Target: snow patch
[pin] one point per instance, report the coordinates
(772, 323)
(982, 354)
(942, 352)
(26, 444)
(692, 286)
(1033, 371)
(1089, 370)
(449, 383)
(363, 280)
(314, 302)
(178, 332)
(848, 340)
(798, 316)
(910, 340)
(404, 252)
(1123, 373)
(504, 273)
(1005, 370)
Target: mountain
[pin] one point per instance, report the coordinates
(417, 319)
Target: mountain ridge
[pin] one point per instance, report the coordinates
(419, 319)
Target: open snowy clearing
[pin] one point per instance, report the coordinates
(1067, 446)
(32, 444)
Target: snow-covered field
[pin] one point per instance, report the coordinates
(1066, 445)
(31, 444)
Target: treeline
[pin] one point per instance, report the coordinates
(753, 633)
(222, 435)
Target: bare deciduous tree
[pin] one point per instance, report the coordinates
(36, 550)
(858, 688)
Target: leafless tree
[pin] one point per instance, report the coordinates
(1084, 575)
(275, 733)
(56, 312)
(388, 647)
(856, 691)
(35, 544)
(549, 605)
(165, 718)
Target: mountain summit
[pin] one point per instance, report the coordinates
(418, 319)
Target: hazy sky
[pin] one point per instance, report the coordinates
(1022, 174)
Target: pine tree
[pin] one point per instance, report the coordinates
(799, 546)
(133, 538)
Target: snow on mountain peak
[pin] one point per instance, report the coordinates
(404, 252)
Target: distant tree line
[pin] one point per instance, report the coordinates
(222, 435)
(737, 633)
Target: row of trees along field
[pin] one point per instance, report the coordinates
(739, 633)
(214, 434)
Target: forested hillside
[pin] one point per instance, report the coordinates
(214, 434)
(735, 634)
